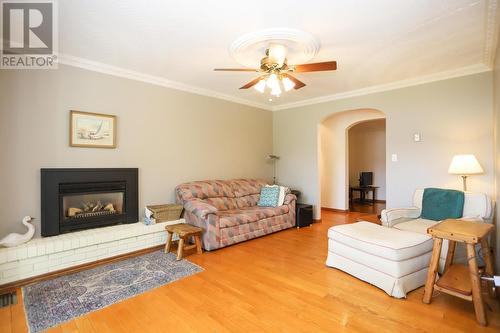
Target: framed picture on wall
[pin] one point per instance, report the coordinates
(92, 130)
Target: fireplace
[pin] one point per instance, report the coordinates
(78, 199)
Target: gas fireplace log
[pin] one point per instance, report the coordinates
(90, 207)
(74, 211)
(97, 207)
(109, 207)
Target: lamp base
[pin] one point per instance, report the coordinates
(464, 181)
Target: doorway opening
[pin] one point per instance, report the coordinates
(366, 166)
(333, 158)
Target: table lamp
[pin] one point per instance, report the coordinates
(465, 165)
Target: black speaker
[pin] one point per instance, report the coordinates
(304, 215)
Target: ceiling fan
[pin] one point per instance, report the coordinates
(276, 73)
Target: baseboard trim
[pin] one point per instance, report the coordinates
(336, 210)
(12, 286)
(368, 201)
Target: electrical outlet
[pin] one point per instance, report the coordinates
(394, 157)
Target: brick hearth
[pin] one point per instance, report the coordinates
(48, 254)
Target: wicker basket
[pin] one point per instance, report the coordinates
(167, 212)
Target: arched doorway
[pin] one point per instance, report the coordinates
(333, 155)
(366, 166)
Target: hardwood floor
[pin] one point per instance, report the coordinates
(368, 208)
(277, 283)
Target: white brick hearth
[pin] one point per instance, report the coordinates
(44, 255)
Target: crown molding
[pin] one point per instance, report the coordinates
(159, 81)
(491, 32)
(491, 37)
(99, 67)
(480, 68)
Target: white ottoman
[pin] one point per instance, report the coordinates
(393, 260)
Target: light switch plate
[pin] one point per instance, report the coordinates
(417, 137)
(394, 157)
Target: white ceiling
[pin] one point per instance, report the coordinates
(178, 43)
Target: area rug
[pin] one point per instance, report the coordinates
(55, 301)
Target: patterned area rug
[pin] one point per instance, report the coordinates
(55, 301)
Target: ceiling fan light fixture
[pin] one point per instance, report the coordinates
(275, 73)
(276, 91)
(288, 84)
(272, 82)
(277, 54)
(261, 86)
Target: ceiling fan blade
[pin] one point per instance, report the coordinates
(316, 67)
(235, 70)
(251, 83)
(298, 84)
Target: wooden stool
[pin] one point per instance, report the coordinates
(457, 280)
(184, 231)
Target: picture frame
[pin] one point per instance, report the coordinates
(92, 130)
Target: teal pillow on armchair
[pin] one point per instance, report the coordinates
(439, 204)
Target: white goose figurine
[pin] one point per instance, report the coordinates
(18, 239)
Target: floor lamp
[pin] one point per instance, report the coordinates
(274, 159)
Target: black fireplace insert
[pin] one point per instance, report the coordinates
(78, 199)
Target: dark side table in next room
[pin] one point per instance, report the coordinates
(304, 214)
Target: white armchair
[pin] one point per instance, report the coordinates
(392, 216)
(477, 206)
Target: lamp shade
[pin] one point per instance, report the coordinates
(465, 165)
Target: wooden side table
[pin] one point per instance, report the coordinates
(363, 190)
(458, 280)
(184, 231)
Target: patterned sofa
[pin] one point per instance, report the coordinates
(227, 211)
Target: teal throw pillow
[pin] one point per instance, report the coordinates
(440, 204)
(269, 196)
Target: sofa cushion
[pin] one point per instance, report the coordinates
(235, 217)
(243, 232)
(416, 225)
(247, 201)
(204, 189)
(244, 187)
(439, 204)
(222, 203)
(389, 243)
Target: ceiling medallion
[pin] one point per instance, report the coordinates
(283, 48)
(248, 49)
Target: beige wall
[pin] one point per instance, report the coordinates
(367, 153)
(454, 116)
(496, 94)
(333, 155)
(171, 136)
